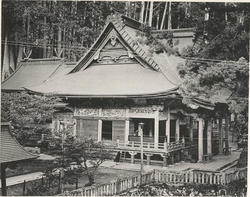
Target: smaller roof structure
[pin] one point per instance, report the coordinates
(33, 72)
(10, 149)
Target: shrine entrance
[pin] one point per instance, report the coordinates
(106, 130)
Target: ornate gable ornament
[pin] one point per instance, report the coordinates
(113, 51)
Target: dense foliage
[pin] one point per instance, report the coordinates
(236, 188)
(28, 114)
(75, 158)
(74, 25)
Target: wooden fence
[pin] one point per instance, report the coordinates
(200, 177)
(114, 187)
(159, 176)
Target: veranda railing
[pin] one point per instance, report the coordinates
(149, 146)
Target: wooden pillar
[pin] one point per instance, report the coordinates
(126, 131)
(177, 134)
(99, 134)
(156, 130)
(200, 139)
(3, 180)
(209, 137)
(168, 126)
(220, 136)
(226, 131)
(191, 130)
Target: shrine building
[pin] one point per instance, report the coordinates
(117, 85)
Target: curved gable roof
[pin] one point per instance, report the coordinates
(119, 80)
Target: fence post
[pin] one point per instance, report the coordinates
(191, 177)
(24, 187)
(223, 178)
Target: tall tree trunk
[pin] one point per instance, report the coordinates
(28, 32)
(135, 15)
(226, 12)
(5, 69)
(206, 14)
(169, 16)
(242, 17)
(142, 11)
(128, 8)
(151, 14)
(146, 14)
(164, 16)
(158, 21)
(59, 40)
(64, 42)
(44, 34)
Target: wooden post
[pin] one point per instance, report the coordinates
(99, 134)
(164, 160)
(165, 146)
(59, 183)
(3, 180)
(126, 131)
(132, 153)
(209, 138)
(177, 134)
(148, 158)
(156, 130)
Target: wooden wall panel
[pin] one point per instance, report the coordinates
(118, 130)
(87, 128)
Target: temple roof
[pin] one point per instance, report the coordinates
(33, 72)
(109, 81)
(10, 149)
(117, 66)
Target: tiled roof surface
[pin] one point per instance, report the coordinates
(10, 149)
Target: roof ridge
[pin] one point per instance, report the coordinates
(60, 65)
(136, 47)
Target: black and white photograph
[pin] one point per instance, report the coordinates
(124, 98)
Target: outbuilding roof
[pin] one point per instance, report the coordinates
(33, 72)
(10, 149)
